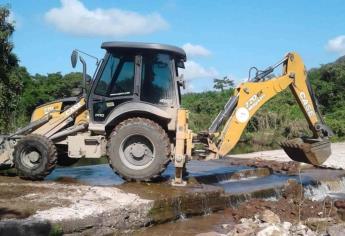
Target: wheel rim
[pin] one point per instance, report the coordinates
(137, 152)
(30, 157)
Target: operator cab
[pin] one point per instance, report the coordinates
(143, 73)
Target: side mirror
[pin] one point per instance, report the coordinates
(74, 58)
(181, 82)
(180, 64)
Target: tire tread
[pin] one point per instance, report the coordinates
(52, 156)
(162, 134)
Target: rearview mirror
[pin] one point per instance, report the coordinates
(74, 58)
(180, 64)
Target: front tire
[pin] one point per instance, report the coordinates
(138, 149)
(35, 157)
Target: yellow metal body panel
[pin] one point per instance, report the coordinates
(82, 118)
(183, 145)
(53, 109)
(253, 95)
(181, 137)
(184, 136)
(58, 122)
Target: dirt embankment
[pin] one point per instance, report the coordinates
(292, 214)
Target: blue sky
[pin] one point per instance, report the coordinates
(221, 37)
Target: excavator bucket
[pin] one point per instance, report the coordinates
(310, 151)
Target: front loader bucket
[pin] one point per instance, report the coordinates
(310, 151)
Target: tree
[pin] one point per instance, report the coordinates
(222, 84)
(10, 82)
(40, 89)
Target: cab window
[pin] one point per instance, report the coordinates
(157, 79)
(117, 77)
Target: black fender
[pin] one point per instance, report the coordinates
(128, 108)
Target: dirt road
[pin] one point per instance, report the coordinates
(336, 160)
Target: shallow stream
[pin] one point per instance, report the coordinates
(318, 183)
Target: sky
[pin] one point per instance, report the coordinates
(221, 38)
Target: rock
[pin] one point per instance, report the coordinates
(302, 230)
(340, 204)
(247, 221)
(286, 225)
(269, 217)
(341, 213)
(318, 224)
(272, 230)
(225, 226)
(336, 230)
(212, 233)
(244, 229)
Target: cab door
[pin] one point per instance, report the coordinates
(114, 85)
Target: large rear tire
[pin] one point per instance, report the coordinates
(138, 149)
(35, 157)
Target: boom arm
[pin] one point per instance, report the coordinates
(252, 95)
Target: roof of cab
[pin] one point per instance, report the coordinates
(145, 46)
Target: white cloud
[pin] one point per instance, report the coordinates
(194, 70)
(195, 50)
(74, 18)
(336, 44)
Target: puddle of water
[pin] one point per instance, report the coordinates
(254, 184)
(94, 174)
(226, 181)
(275, 180)
(103, 175)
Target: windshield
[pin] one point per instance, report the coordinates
(117, 77)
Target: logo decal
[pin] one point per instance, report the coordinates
(242, 115)
(309, 109)
(72, 109)
(48, 109)
(254, 100)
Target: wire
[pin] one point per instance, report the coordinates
(97, 60)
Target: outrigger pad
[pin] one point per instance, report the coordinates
(310, 151)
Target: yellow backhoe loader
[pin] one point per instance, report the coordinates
(132, 114)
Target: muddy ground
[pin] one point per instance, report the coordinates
(291, 207)
(86, 209)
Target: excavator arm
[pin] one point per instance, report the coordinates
(227, 128)
(250, 96)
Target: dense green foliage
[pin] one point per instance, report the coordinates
(10, 73)
(281, 117)
(20, 92)
(40, 89)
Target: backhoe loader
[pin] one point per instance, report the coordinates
(131, 112)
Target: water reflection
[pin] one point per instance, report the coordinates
(102, 174)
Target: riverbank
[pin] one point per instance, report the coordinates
(336, 160)
(91, 200)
